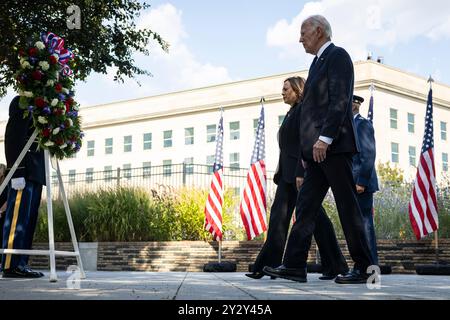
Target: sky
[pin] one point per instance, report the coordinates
(215, 42)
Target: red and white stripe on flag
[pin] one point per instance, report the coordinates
(253, 204)
(214, 203)
(423, 203)
(213, 208)
(423, 212)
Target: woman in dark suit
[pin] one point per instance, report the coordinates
(289, 178)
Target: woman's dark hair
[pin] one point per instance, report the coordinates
(297, 84)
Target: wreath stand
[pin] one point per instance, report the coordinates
(51, 252)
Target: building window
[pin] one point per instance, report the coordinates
(410, 122)
(393, 118)
(89, 175)
(167, 167)
(443, 131)
(188, 136)
(146, 169)
(236, 191)
(210, 163)
(394, 152)
(90, 148)
(234, 161)
(127, 143)
(211, 133)
(167, 139)
(108, 145)
(107, 173)
(147, 141)
(54, 178)
(280, 120)
(412, 156)
(127, 170)
(72, 174)
(255, 125)
(234, 130)
(189, 165)
(445, 162)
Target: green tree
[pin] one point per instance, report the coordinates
(108, 35)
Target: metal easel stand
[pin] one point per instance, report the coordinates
(51, 252)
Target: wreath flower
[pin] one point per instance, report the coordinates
(45, 84)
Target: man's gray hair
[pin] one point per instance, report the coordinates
(322, 22)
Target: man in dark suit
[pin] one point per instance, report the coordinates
(327, 144)
(364, 173)
(24, 193)
(289, 178)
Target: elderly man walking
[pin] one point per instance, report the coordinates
(327, 144)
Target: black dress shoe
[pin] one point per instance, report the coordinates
(255, 275)
(352, 277)
(294, 274)
(328, 276)
(19, 272)
(258, 275)
(29, 269)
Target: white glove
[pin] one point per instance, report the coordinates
(18, 183)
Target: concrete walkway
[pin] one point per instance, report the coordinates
(221, 286)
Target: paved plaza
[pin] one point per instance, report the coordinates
(100, 285)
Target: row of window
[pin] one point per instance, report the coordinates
(234, 134)
(412, 121)
(395, 155)
(233, 165)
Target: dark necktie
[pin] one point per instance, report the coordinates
(313, 64)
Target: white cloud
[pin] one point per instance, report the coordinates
(358, 24)
(4, 104)
(177, 70)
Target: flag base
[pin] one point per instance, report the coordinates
(386, 269)
(441, 268)
(224, 266)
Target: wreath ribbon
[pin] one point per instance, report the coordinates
(55, 45)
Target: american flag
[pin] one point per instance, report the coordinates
(253, 201)
(213, 208)
(423, 204)
(370, 113)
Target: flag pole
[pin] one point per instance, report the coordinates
(220, 240)
(261, 101)
(371, 88)
(436, 237)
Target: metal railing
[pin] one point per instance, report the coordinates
(175, 176)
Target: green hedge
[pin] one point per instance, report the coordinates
(391, 217)
(132, 214)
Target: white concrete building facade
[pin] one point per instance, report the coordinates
(179, 127)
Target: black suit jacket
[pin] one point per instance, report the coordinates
(288, 140)
(327, 104)
(364, 172)
(18, 131)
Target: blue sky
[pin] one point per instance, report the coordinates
(219, 41)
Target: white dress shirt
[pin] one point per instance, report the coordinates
(327, 140)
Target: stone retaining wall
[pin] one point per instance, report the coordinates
(192, 255)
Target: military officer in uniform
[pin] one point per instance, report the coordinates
(364, 172)
(24, 193)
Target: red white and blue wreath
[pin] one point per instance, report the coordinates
(45, 85)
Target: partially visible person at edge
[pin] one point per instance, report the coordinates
(3, 197)
(364, 172)
(289, 178)
(24, 193)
